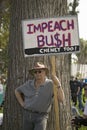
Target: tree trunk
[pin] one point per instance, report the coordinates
(19, 66)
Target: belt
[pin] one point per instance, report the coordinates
(37, 112)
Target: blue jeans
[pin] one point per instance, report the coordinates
(80, 104)
(34, 121)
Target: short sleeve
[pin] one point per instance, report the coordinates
(22, 88)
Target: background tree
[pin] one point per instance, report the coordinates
(19, 66)
(4, 33)
(73, 7)
(83, 52)
(82, 56)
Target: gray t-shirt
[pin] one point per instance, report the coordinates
(39, 99)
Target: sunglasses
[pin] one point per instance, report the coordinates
(37, 71)
(85, 88)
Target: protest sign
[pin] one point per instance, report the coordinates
(50, 36)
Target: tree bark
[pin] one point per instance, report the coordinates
(18, 71)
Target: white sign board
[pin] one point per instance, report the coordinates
(50, 36)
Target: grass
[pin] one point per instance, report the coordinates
(83, 128)
(1, 110)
